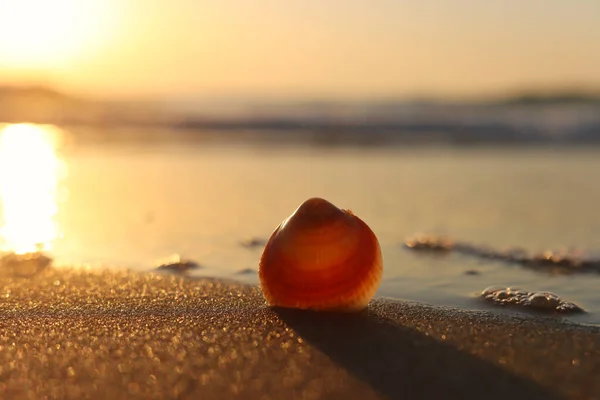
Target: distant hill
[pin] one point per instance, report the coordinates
(30, 91)
(41, 104)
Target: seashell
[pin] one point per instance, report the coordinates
(321, 258)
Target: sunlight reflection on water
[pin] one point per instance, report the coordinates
(30, 174)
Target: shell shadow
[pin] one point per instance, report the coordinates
(402, 363)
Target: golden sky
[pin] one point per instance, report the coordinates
(348, 48)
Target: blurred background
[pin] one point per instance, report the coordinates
(134, 130)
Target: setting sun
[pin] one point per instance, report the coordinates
(30, 171)
(42, 33)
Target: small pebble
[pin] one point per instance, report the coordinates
(176, 264)
(246, 271)
(253, 243)
(427, 242)
(23, 265)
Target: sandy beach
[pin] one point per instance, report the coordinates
(81, 333)
(435, 166)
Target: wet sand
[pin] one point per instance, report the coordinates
(67, 333)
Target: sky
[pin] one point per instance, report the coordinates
(300, 48)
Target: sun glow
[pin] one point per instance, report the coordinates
(47, 33)
(30, 171)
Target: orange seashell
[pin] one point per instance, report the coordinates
(321, 258)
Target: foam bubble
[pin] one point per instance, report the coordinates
(538, 301)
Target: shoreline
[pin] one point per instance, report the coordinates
(73, 333)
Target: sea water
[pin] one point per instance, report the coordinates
(132, 203)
